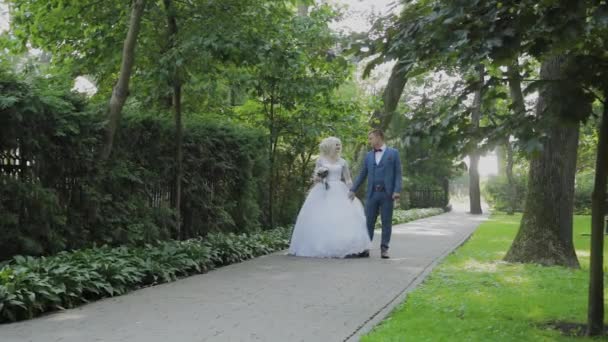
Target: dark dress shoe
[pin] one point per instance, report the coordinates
(364, 254)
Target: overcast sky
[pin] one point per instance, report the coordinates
(3, 16)
(358, 12)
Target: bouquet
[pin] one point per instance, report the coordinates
(322, 173)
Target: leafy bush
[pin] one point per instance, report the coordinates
(404, 216)
(31, 286)
(54, 195)
(583, 188)
(496, 192)
(41, 231)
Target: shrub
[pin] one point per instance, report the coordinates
(583, 188)
(54, 195)
(404, 216)
(496, 192)
(30, 286)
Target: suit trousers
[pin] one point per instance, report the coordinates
(380, 203)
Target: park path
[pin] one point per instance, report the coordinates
(271, 298)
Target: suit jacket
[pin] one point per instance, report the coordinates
(392, 172)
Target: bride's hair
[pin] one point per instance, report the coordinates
(328, 146)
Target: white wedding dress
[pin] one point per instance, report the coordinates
(329, 224)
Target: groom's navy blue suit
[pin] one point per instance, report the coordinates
(384, 179)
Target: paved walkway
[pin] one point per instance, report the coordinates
(272, 298)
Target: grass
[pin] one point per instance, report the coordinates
(474, 296)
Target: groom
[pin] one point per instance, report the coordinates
(382, 168)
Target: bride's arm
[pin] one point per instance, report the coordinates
(346, 174)
(316, 178)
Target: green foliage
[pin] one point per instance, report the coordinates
(588, 140)
(47, 206)
(496, 192)
(426, 137)
(460, 35)
(404, 216)
(296, 65)
(230, 248)
(583, 189)
(224, 169)
(295, 97)
(42, 230)
(463, 32)
(49, 129)
(31, 286)
(236, 59)
(210, 34)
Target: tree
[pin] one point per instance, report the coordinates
(463, 33)
(176, 84)
(295, 70)
(595, 321)
(562, 35)
(474, 190)
(519, 108)
(216, 36)
(425, 136)
(121, 90)
(391, 94)
(548, 221)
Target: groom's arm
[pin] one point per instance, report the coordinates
(398, 176)
(360, 177)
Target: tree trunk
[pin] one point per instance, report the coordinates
(306, 157)
(121, 90)
(446, 193)
(517, 96)
(519, 108)
(177, 112)
(179, 174)
(271, 162)
(501, 157)
(595, 314)
(390, 97)
(512, 187)
(545, 233)
(474, 190)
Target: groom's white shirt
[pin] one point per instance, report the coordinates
(379, 155)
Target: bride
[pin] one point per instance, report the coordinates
(329, 223)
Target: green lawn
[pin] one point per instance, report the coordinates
(474, 296)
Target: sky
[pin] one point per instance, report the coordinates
(3, 16)
(358, 12)
(355, 20)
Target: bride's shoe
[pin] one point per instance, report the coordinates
(364, 254)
